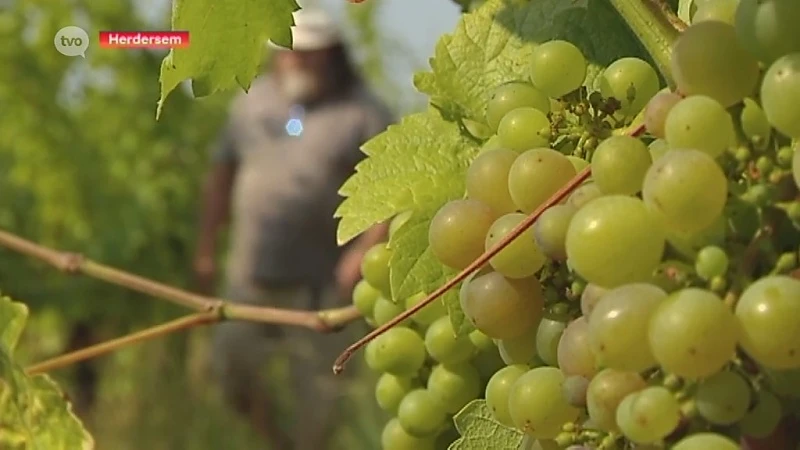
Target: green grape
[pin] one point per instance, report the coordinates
(520, 349)
(723, 398)
(399, 351)
(557, 68)
(421, 414)
(548, 333)
(497, 390)
(706, 441)
(429, 313)
(550, 230)
(764, 418)
(384, 311)
(503, 308)
(536, 175)
(487, 179)
(690, 244)
(687, 189)
(493, 143)
(454, 385)
(615, 240)
(796, 166)
(719, 10)
(578, 163)
(618, 326)
(780, 91)
(711, 262)
(445, 346)
(513, 95)
(575, 355)
(755, 124)
(768, 29)
(658, 148)
(457, 232)
(574, 390)
(390, 390)
(583, 194)
(619, 165)
(523, 129)
(464, 288)
(708, 60)
(783, 157)
(481, 341)
(394, 437)
(768, 312)
(590, 296)
(632, 81)
(370, 355)
(701, 123)
(606, 391)
(693, 334)
(375, 267)
(648, 416)
(519, 259)
(537, 405)
(364, 298)
(656, 111)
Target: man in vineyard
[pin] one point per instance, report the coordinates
(289, 145)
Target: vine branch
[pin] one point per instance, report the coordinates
(181, 323)
(561, 194)
(209, 309)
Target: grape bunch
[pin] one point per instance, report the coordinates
(657, 304)
(427, 373)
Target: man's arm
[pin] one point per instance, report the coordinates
(377, 233)
(215, 205)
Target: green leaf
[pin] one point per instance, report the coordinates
(33, 412)
(458, 319)
(227, 43)
(479, 430)
(492, 45)
(12, 322)
(416, 165)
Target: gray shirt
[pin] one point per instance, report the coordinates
(286, 187)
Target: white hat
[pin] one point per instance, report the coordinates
(314, 29)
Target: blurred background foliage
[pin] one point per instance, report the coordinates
(85, 167)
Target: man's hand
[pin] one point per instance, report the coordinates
(348, 271)
(205, 272)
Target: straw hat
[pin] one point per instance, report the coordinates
(314, 29)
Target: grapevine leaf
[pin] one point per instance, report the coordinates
(492, 45)
(416, 165)
(479, 430)
(33, 411)
(458, 319)
(227, 43)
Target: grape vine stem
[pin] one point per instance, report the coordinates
(656, 27)
(209, 309)
(561, 194)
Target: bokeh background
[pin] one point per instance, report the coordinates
(84, 166)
